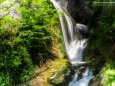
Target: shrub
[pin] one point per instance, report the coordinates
(25, 42)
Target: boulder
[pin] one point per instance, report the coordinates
(61, 77)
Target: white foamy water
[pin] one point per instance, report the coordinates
(74, 46)
(87, 76)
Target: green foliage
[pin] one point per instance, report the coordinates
(102, 30)
(38, 12)
(102, 40)
(1, 1)
(25, 42)
(108, 74)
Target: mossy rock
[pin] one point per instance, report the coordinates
(60, 76)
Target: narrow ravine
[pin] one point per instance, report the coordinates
(57, 42)
(74, 46)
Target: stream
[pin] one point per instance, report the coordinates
(74, 46)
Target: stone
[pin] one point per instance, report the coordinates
(78, 9)
(60, 77)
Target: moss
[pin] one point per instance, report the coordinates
(56, 65)
(45, 72)
(60, 76)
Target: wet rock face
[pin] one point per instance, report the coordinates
(77, 9)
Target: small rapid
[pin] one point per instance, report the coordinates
(73, 45)
(86, 76)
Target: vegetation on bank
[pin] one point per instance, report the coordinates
(102, 41)
(25, 43)
(108, 74)
(42, 76)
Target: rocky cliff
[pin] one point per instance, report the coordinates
(78, 9)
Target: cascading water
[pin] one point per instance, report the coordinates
(74, 46)
(85, 78)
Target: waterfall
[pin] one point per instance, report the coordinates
(74, 47)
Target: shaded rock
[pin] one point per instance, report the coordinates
(78, 9)
(96, 81)
(64, 76)
(82, 29)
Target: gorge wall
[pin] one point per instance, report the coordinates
(78, 9)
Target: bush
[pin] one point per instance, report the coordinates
(108, 75)
(25, 42)
(102, 29)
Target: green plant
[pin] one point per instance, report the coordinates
(25, 42)
(108, 74)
